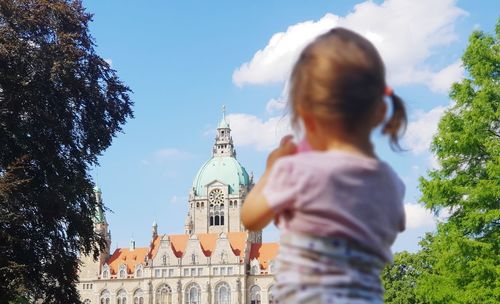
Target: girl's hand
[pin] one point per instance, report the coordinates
(286, 147)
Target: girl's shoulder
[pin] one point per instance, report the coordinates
(339, 162)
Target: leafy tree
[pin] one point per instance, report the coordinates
(465, 249)
(60, 106)
(400, 278)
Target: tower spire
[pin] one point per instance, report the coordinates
(223, 141)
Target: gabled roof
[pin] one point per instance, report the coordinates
(127, 257)
(208, 242)
(264, 253)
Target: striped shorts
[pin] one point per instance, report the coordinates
(326, 270)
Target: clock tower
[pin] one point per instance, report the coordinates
(219, 189)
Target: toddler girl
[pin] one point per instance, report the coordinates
(339, 207)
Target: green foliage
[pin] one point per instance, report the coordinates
(400, 278)
(466, 187)
(60, 107)
(459, 263)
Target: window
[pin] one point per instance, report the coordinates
(139, 296)
(193, 294)
(193, 258)
(104, 298)
(230, 271)
(164, 273)
(157, 273)
(272, 267)
(198, 205)
(164, 260)
(170, 272)
(222, 218)
(223, 271)
(216, 271)
(255, 295)
(200, 272)
(138, 271)
(121, 297)
(255, 269)
(222, 293)
(123, 272)
(163, 295)
(105, 272)
(186, 272)
(193, 272)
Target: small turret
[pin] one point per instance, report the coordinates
(155, 229)
(132, 245)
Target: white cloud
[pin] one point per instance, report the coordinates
(406, 32)
(418, 217)
(442, 80)
(164, 155)
(274, 105)
(420, 131)
(249, 130)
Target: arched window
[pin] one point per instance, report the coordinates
(202, 204)
(222, 218)
(138, 271)
(217, 219)
(164, 260)
(272, 267)
(164, 295)
(198, 205)
(193, 294)
(121, 297)
(123, 272)
(105, 296)
(105, 272)
(271, 296)
(222, 293)
(193, 258)
(255, 269)
(211, 219)
(139, 296)
(255, 295)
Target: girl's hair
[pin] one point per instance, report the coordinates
(340, 75)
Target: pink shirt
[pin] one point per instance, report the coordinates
(338, 194)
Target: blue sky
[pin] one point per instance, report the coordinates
(185, 59)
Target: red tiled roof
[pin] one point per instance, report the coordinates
(208, 241)
(127, 257)
(238, 241)
(264, 253)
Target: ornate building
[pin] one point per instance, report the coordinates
(215, 261)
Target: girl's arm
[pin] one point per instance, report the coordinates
(256, 212)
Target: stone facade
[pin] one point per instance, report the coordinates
(215, 261)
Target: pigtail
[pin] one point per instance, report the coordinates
(396, 125)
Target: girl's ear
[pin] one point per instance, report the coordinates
(380, 113)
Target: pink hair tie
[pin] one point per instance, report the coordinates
(388, 91)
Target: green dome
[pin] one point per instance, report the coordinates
(225, 169)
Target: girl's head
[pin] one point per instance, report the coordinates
(339, 81)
